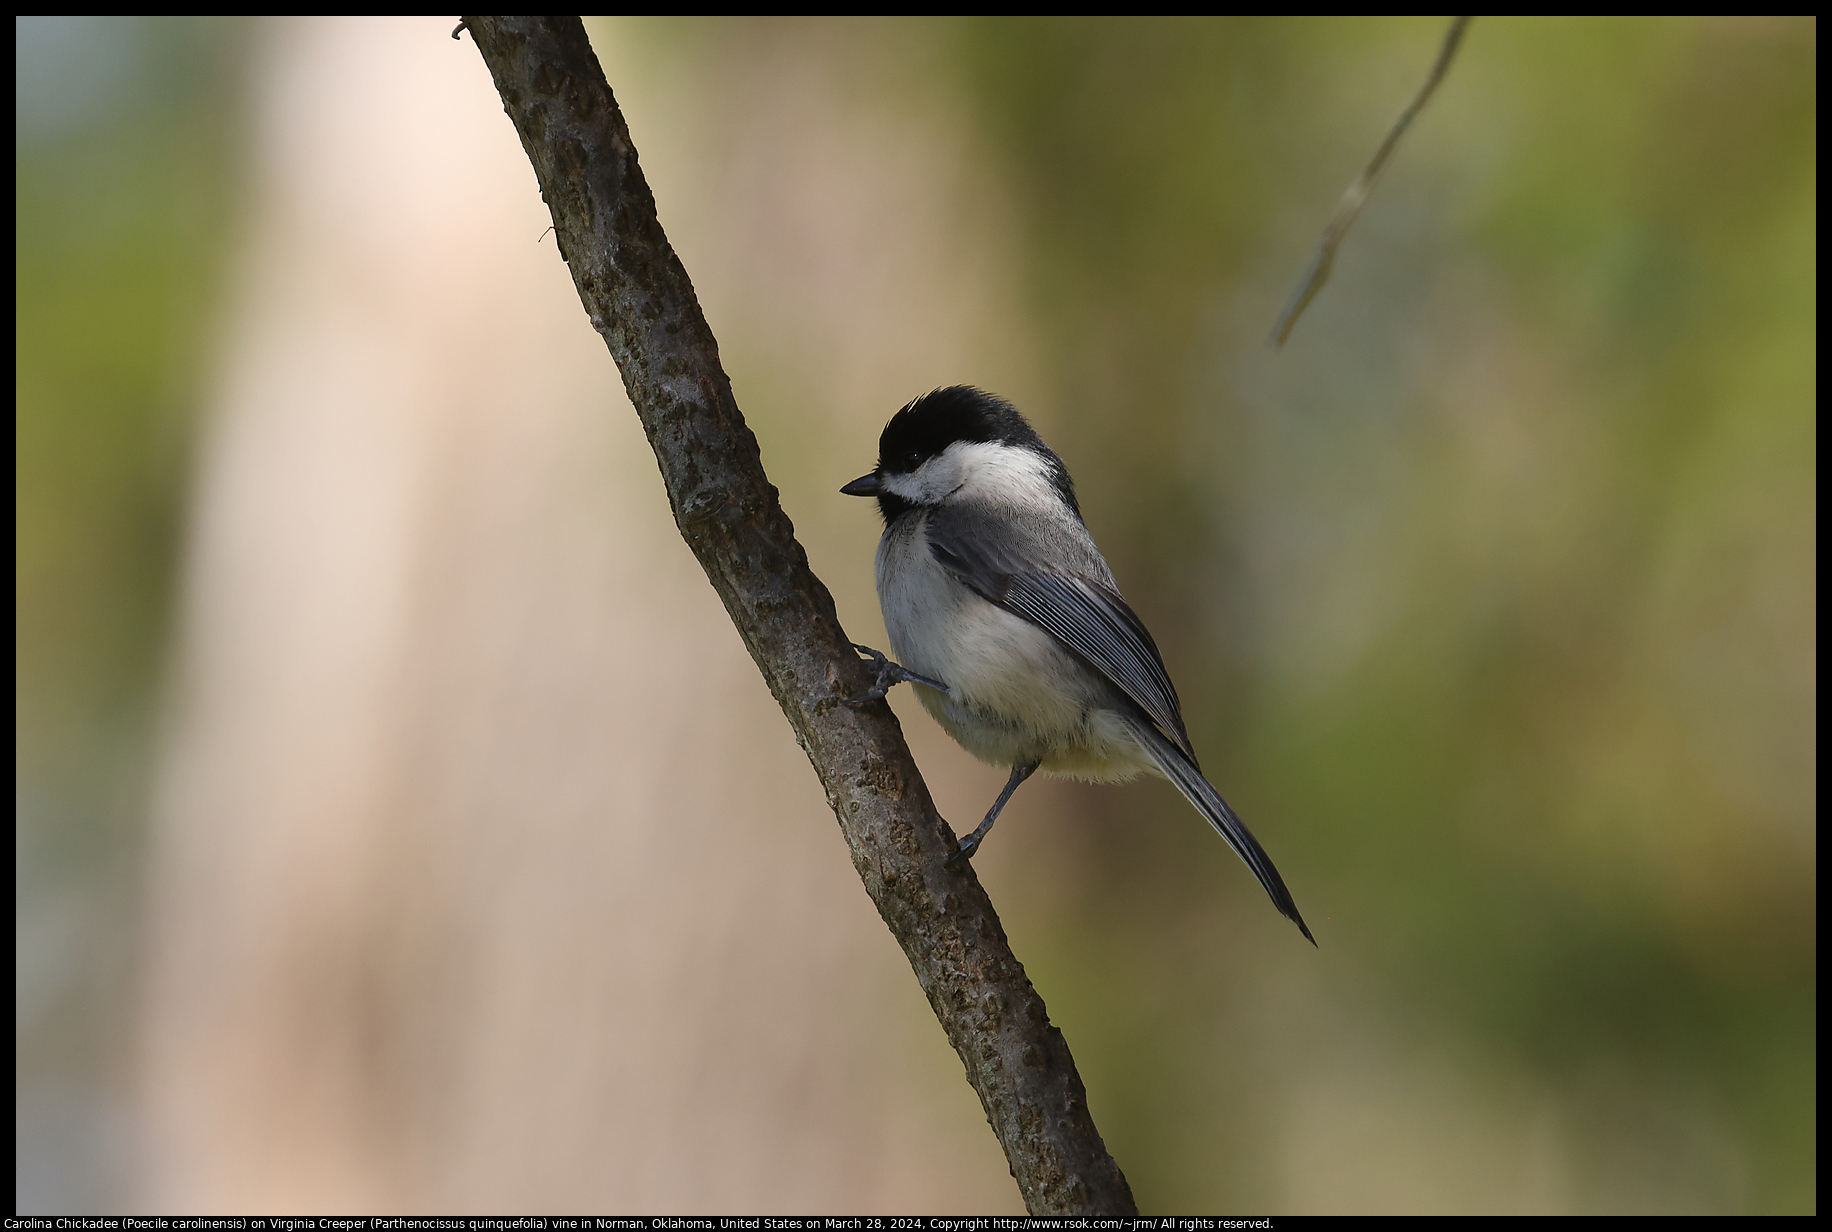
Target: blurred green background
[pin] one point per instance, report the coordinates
(1491, 596)
(129, 148)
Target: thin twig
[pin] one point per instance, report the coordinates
(1357, 193)
(637, 295)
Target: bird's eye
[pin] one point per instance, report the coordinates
(909, 460)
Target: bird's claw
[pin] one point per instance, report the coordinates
(885, 675)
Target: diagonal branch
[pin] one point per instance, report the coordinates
(638, 297)
(1356, 195)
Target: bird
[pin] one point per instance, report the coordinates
(1007, 622)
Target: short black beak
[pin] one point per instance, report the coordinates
(864, 485)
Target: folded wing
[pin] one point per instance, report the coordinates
(1084, 611)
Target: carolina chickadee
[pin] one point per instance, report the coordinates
(1008, 622)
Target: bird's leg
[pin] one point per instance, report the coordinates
(972, 841)
(887, 674)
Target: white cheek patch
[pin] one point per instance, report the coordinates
(930, 483)
(978, 470)
(991, 471)
(920, 487)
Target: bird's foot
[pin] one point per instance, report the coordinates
(886, 675)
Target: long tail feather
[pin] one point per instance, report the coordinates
(1179, 769)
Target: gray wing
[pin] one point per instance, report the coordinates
(994, 552)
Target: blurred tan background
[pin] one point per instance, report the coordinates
(402, 827)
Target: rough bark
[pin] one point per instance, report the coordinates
(639, 298)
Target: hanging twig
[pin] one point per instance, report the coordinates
(1357, 194)
(637, 295)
